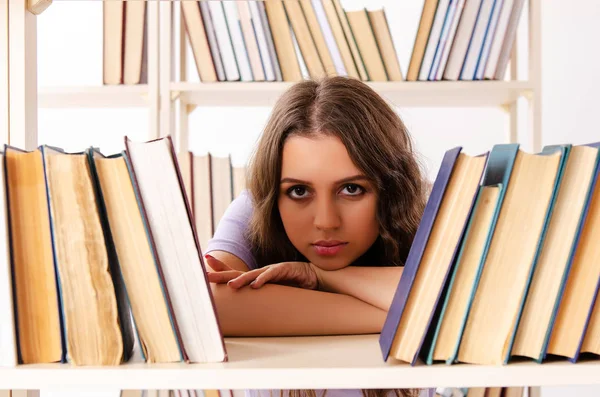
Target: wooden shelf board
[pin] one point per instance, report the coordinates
(353, 361)
(402, 94)
(93, 96)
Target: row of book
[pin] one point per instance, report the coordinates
(464, 40)
(505, 264)
(88, 243)
(211, 183)
(275, 40)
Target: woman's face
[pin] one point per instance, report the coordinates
(327, 205)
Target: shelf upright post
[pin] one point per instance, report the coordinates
(4, 79)
(535, 73)
(153, 69)
(22, 76)
(166, 68)
(182, 131)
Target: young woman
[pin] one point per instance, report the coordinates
(316, 244)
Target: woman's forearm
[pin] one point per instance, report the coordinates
(277, 310)
(373, 285)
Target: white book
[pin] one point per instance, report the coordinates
(261, 38)
(212, 40)
(334, 50)
(8, 340)
(249, 35)
(461, 40)
(303, 68)
(508, 39)
(265, 23)
(217, 14)
(179, 256)
(449, 40)
(489, 38)
(432, 41)
(237, 39)
(477, 38)
(492, 61)
(437, 58)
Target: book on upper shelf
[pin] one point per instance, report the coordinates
(275, 40)
(503, 267)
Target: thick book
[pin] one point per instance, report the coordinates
(431, 255)
(89, 279)
(168, 211)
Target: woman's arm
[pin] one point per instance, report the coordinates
(373, 285)
(277, 310)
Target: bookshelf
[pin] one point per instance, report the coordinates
(317, 362)
(352, 361)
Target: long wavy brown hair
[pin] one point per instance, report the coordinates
(380, 146)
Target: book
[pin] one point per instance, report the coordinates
(157, 178)
(199, 42)
(39, 326)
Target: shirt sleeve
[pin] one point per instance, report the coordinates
(230, 235)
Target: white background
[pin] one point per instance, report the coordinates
(70, 53)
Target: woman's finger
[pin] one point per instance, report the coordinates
(223, 277)
(272, 274)
(216, 264)
(246, 278)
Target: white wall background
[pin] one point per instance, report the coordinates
(70, 53)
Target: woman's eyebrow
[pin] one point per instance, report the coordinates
(353, 178)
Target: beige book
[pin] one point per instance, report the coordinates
(513, 391)
(443, 239)
(203, 209)
(222, 189)
(356, 55)
(418, 52)
(36, 295)
(340, 38)
(493, 392)
(502, 284)
(367, 45)
(90, 308)
(113, 16)
(560, 237)
(579, 292)
(318, 37)
(185, 160)
(132, 393)
(282, 38)
(466, 271)
(591, 341)
(307, 46)
(476, 392)
(140, 273)
(239, 180)
(383, 36)
(135, 34)
(196, 33)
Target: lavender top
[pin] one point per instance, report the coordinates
(230, 237)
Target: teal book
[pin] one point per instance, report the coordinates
(497, 173)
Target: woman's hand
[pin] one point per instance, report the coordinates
(299, 274)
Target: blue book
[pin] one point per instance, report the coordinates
(433, 250)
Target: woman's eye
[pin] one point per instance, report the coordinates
(353, 189)
(297, 192)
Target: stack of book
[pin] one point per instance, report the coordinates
(505, 264)
(89, 241)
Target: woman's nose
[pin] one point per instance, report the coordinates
(327, 215)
